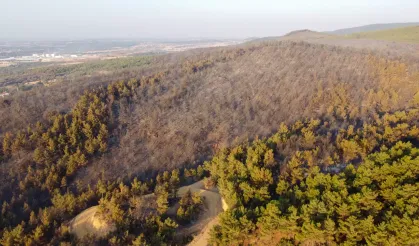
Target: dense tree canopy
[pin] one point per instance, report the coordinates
(361, 187)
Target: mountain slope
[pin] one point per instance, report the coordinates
(405, 34)
(372, 27)
(236, 99)
(215, 97)
(157, 124)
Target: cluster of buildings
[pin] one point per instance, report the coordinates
(34, 58)
(37, 57)
(46, 56)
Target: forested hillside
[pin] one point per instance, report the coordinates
(312, 186)
(347, 121)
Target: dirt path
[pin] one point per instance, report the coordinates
(202, 238)
(213, 205)
(87, 223)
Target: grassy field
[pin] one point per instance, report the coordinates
(405, 34)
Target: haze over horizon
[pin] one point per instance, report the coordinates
(129, 19)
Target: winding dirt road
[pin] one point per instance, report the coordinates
(86, 222)
(213, 205)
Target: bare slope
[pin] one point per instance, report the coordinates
(87, 222)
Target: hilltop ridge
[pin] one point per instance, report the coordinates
(372, 27)
(405, 34)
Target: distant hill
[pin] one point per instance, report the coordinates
(405, 34)
(397, 41)
(295, 35)
(372, 27)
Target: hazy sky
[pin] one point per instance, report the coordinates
(79, 19)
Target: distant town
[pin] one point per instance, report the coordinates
(80, 51)
(38, 57)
